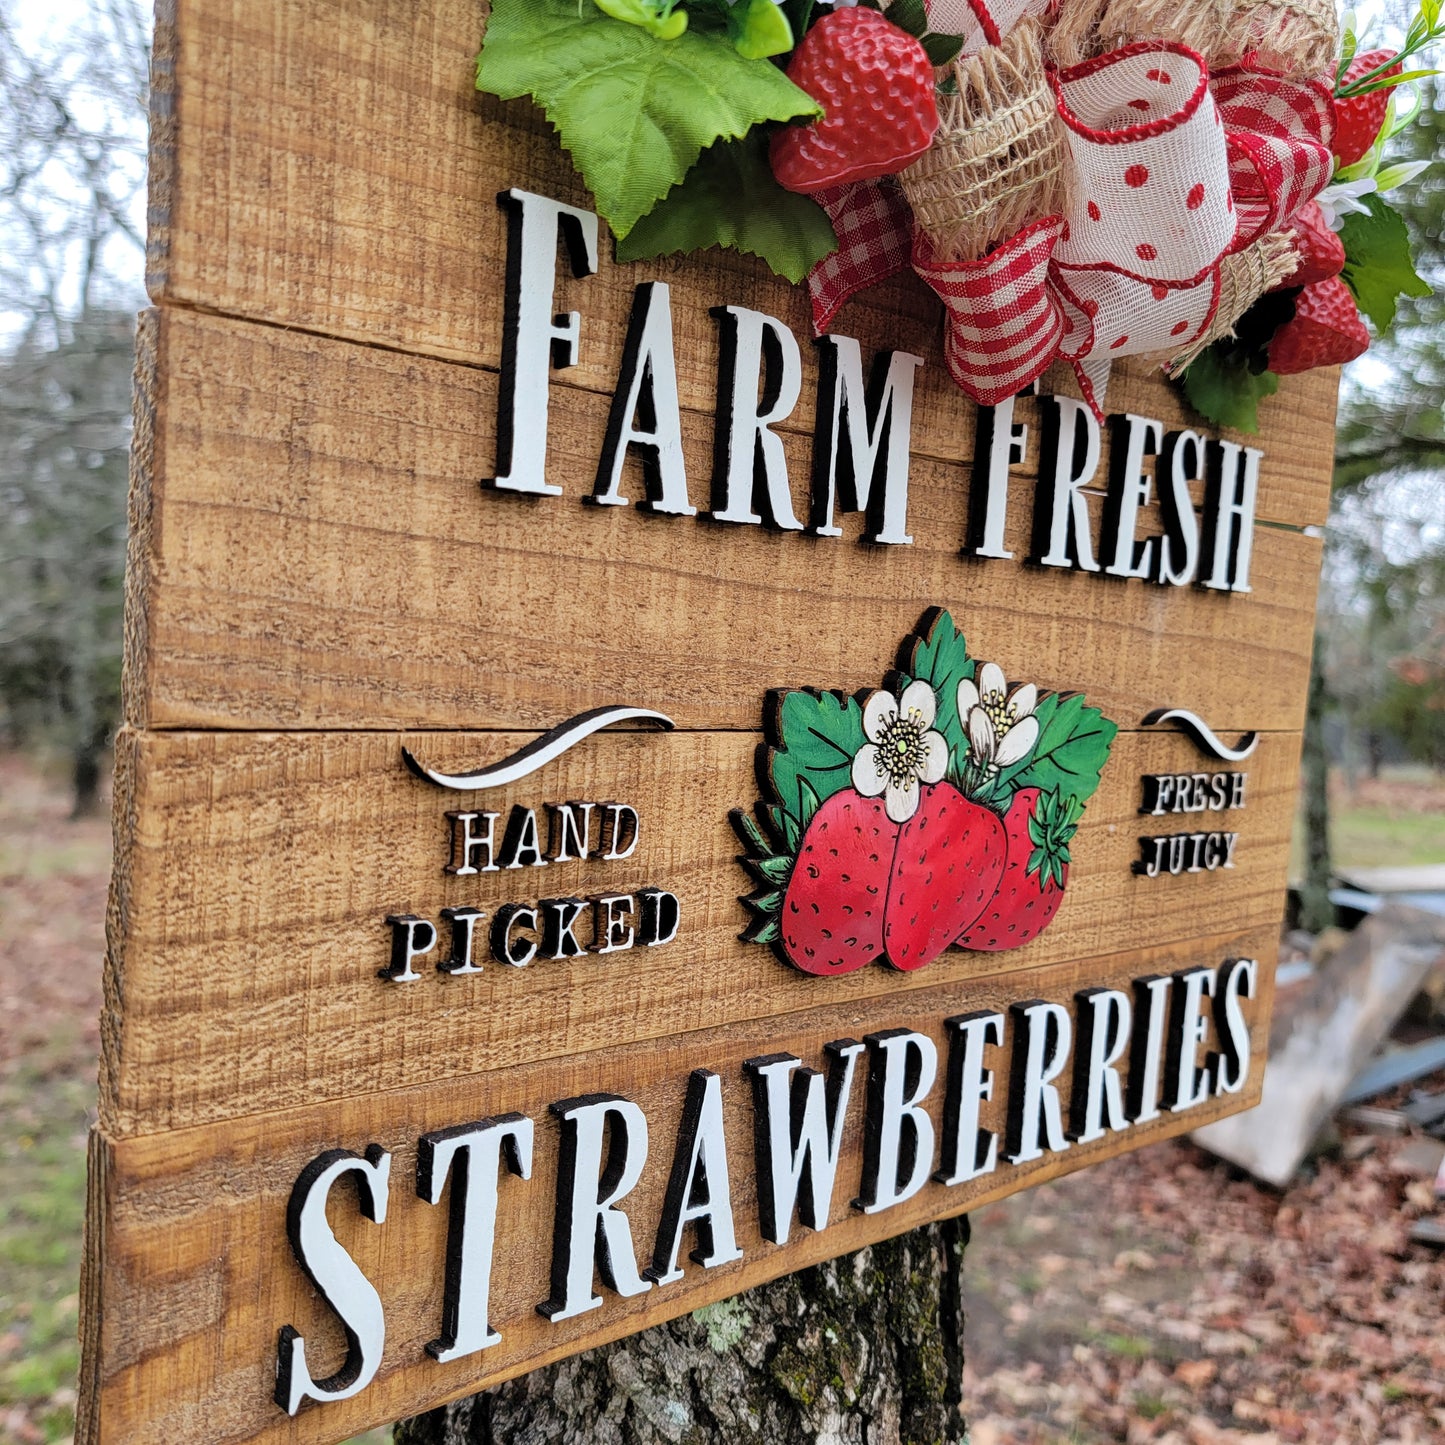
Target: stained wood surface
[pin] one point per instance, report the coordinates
(359, 199)
(200, 1277)
(316, 578)
(262, 868)
(312, 549)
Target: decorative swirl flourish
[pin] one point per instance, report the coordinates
(539, 752)
(1204, 736)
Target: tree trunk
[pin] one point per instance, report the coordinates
(85, 778)
(864, 1350)
(1316, 911)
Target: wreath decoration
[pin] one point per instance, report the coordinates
(1194, 182)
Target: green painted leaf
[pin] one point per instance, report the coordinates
(821, 733)
(634, 111)
(1378, 265)
(767, 933)
(1227, 392)
(1073, 746)
(940, 657)
(809, 795)
(750, 833)
(729, 198)
(775, 869)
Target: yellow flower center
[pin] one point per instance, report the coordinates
(901, 753)
(1001, 712)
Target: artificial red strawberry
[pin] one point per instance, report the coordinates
(1359, 118)
(949, 860)
(1321, 252)
(875, 84)
(1326, 330)
(1038, 827)
(831, 919)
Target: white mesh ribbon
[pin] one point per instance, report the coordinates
(1151, 214)
(980, 23)
(1151, 194)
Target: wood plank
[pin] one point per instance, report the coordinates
(200, 1277)
(286, 188)
(370, 583)
(257, 870)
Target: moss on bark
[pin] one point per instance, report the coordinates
(863, 1350)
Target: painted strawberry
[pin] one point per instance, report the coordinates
(1321, 252)
(1358, 119)
(880, 837)
(1326, 330)
(1038, 827)
(948, 863)
(875, 83)
(831, 919)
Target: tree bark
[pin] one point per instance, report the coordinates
(863, 1350)
(1316, 911)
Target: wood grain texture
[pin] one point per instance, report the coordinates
(317, 553)
(201, 1278)
(262, 867)
(327, 164)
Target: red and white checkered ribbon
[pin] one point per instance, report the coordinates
(1005, 320)
(1279, 137)
(874, 227)
(1173, 168)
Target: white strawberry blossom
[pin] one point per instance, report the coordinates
(902, 752)
(1343, 199)
(1001, 725)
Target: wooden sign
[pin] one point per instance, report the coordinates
(593, 837)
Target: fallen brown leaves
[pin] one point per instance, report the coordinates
(1162, 1299)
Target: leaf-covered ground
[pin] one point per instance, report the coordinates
(1163, 1297)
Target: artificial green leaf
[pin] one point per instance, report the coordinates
(663, 20)
(1224, 390)
(634, 111)
(909, 15)
(729, 198)
(759, 29)
(1399, 175)
(799, 13)
(940, 657)
(942, 49)
(1378, 264)
(820, 734)
(1072, 748)
(809, 794)
(765, 902)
